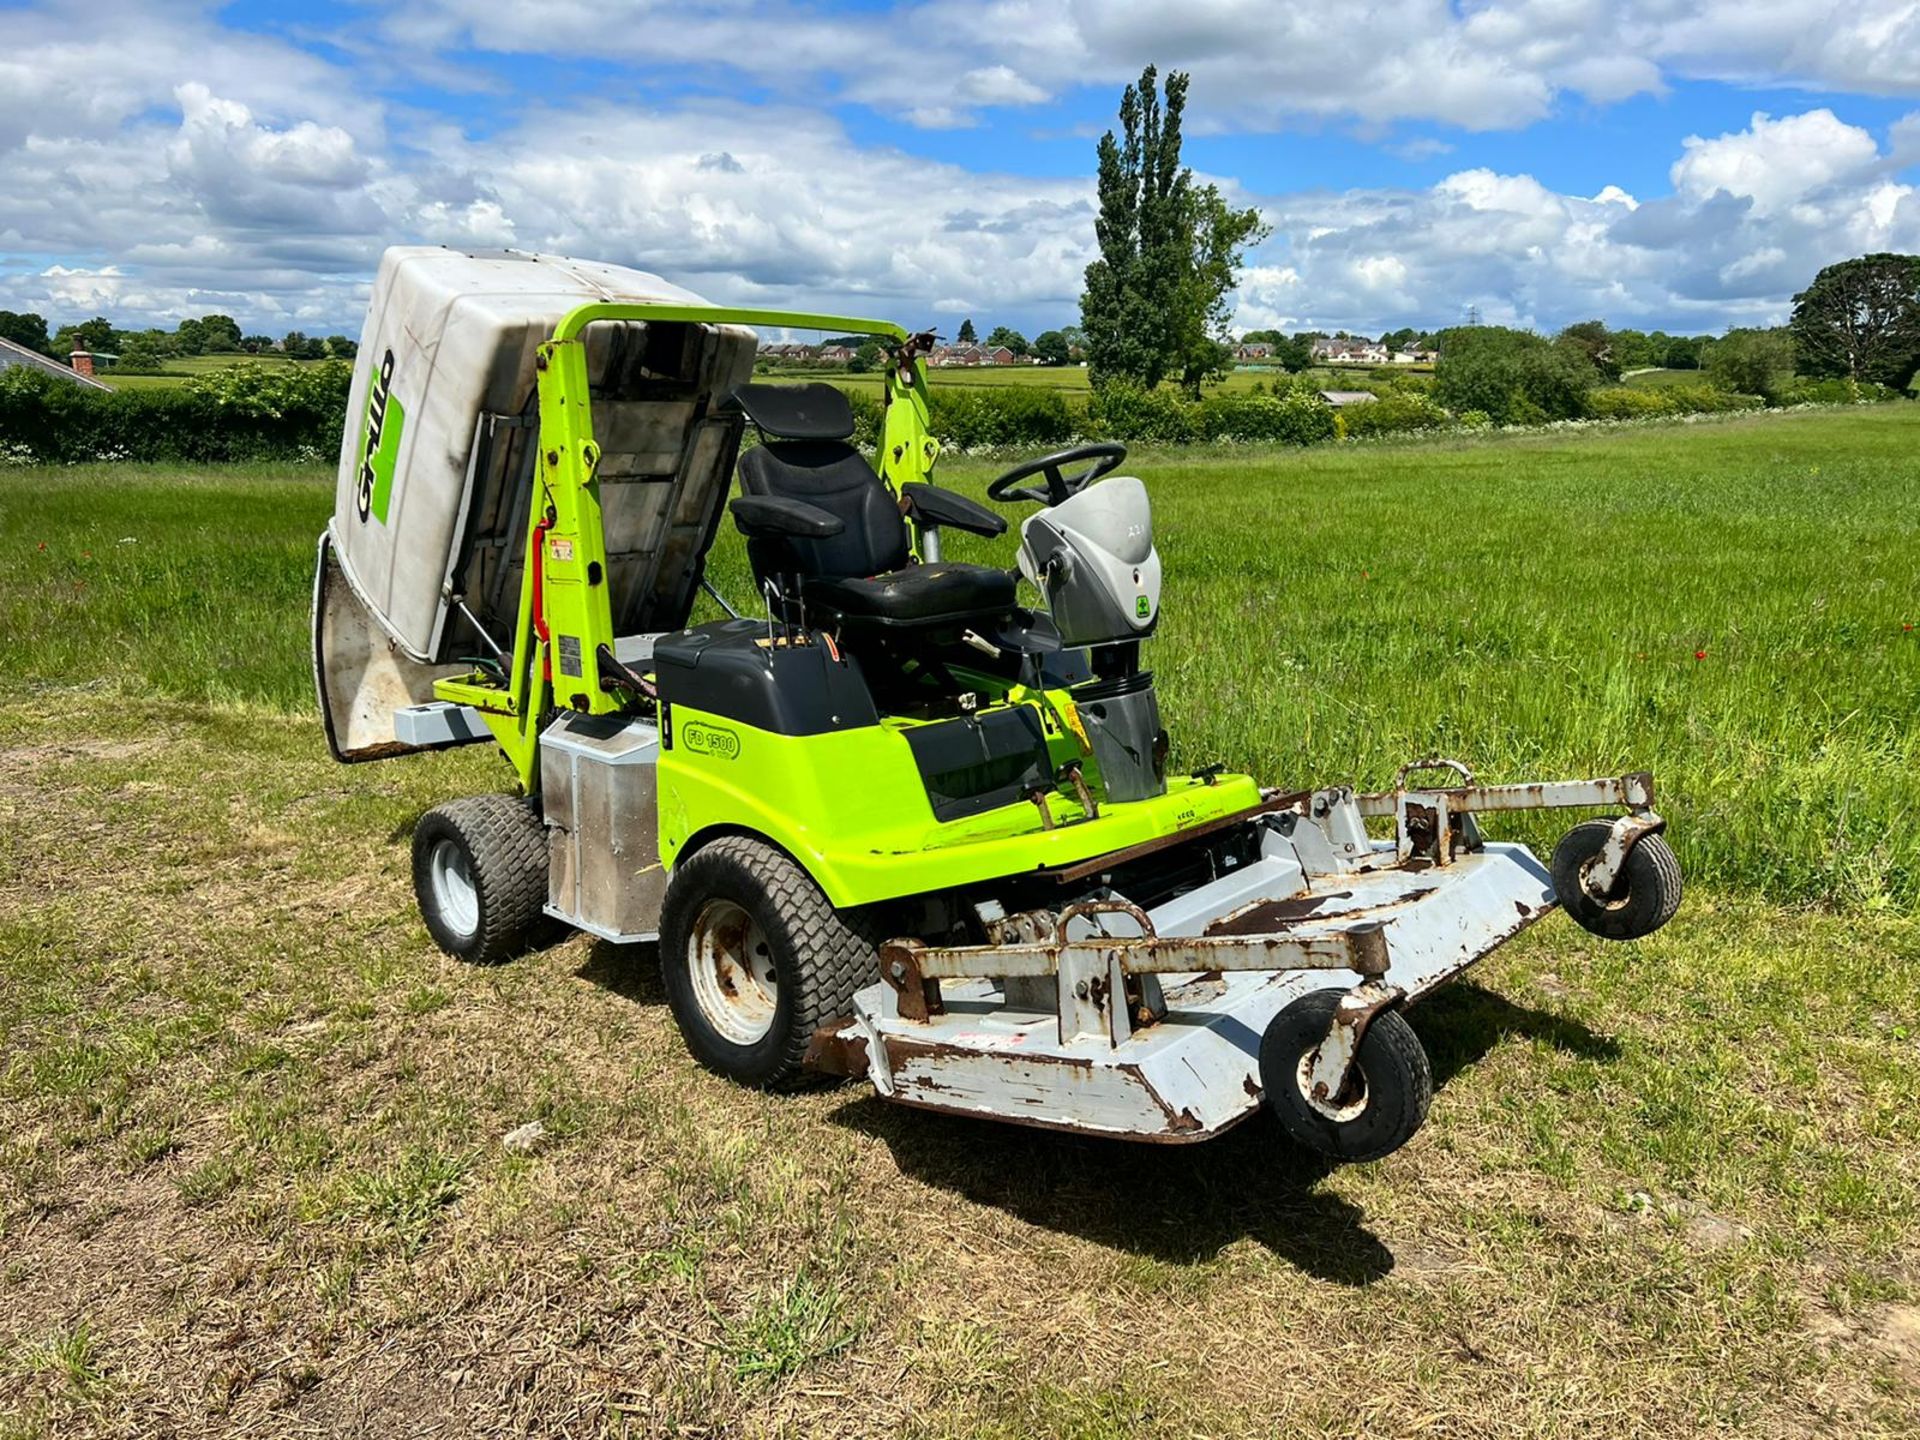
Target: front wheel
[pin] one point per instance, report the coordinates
(1643, 898)
(755, 958)
(1388, 1088)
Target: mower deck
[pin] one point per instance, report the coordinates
(1195, 1071)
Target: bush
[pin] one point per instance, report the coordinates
(1839, 390)
(1515, 376)
(1707, 400)
(1624, 402)
(969, 416)
(1292, 416)
(1400, 411)
(1123, 411)
(247, 413)
(1753, 362)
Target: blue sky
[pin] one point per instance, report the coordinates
(1541, 160)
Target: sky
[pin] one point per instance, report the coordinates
(1680, 164)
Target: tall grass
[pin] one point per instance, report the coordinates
(1726, 605)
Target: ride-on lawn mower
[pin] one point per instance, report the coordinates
(889, 819)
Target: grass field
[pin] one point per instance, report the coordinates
(251, 1171)
(1660, 379)
(1071, 380)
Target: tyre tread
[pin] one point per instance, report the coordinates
(507, 840)
(836, 952)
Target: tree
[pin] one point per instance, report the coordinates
(222, 332)
(1861, 318)
(190, 338)
(339, 347)
(95, 335)
(139, 355)
(26, 329)
(1752, 362)
(1051, 348)
(1155, 300)
(1514, 376)
(1401, 339)
(1593, 341)
(256, 344)
(1220, 236)
(1294, 353)
(868, 357)
(1006, 335)
(1683, 352)
(967, 334)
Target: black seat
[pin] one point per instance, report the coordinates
(844, 543)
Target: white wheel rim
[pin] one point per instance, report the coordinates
(731, 966)
(1338, 1113)
(455, 895)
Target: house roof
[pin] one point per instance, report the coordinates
(12, 354)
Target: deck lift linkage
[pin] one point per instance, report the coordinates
(890, 822)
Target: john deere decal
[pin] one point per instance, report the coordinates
(381, 447)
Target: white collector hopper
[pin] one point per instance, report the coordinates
(438, 460)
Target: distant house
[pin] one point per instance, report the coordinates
(967, 355)
(1350, 351)
(1414, 355)
(1258, 350)
(786, 351)
(836, 354)
(80, 373)
(1340, 398)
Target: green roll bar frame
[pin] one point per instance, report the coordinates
(565, 607)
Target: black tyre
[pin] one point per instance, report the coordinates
(755, 959)
(1388, 1090)
(480, 874)
(1644, 898)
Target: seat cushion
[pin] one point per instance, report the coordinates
(918, 594)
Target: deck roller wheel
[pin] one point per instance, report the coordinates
(1643, 897)
(1388, 1089)
(480, 875)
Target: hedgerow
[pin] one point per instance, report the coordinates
(244, 413)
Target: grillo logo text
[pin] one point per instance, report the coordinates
(382, 446)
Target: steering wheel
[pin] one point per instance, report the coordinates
(1106, 456)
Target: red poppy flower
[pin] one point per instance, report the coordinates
(1699, 654)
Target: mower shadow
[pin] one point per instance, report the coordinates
(1183, 1204)
(630, 971)
(1459, 1024)
(1178, 1204)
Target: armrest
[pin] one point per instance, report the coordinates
(774, 517)
(931, 505)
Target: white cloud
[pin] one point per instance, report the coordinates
(157, 164)
(1498, 63)
(1702, 258)
(1776, 163)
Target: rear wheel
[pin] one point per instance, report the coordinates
(1388, 1088)
(480, 875)
(1644, 896)
(755, 958)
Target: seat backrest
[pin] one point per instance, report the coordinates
(837, 478)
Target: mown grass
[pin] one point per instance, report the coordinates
(251, 1170)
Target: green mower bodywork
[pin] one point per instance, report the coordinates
(849, 804)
